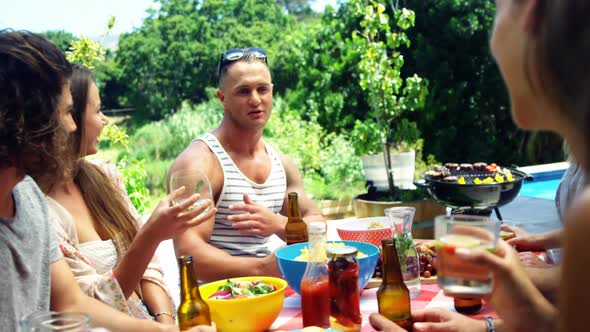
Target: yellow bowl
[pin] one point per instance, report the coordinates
(245, 315)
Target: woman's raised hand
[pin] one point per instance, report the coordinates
(171, 217)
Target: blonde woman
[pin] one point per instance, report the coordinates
(98, 230)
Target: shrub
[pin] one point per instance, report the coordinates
(166, 139)
(327, 162)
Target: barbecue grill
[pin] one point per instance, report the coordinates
(472, 198)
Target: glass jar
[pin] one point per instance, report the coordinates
(343, 273)
(401, 218)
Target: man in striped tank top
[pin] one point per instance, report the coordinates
(249, 179)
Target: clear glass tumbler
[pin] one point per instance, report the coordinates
(46, 321)
(456, 276)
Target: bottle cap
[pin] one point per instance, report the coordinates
(185, 259)
(317, 227)
(346, 251)
(388, 241)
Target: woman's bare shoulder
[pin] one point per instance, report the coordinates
(578, 215)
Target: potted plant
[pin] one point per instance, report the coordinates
(391, 97)
(387, 136)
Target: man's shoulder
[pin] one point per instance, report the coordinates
(193, 154)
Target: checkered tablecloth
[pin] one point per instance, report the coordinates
(431, 296)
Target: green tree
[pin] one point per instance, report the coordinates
(322, 62)
(467, 115)
(299, 8)
(61, 38)
(173, 57)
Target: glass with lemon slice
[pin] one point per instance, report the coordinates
(456, 276)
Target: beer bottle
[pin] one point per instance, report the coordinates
(467, 305)
(393, 296)
(192, 310)
(296, 228)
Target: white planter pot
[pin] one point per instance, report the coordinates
(402, 166)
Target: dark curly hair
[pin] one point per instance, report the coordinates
(33, 74)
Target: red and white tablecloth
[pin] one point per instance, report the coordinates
(431, 296)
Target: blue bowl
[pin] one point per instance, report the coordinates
(293, 270)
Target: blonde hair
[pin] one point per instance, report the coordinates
(107, 204)
(104, 198)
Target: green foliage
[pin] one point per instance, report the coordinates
(60, 38)
(467, 112)
(132, 170)
(299, 8)
(321, 63)
(134, 174)
(156, 173)
(321, 115)
(108, 80)
(327, 160)
(167, 138)
(86, 52)
(173, 57)
(389, 95)
(113, 135)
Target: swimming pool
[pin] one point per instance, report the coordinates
(543, 186)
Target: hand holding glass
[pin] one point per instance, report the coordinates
(195, 182)
(41, 321)
(455, 275)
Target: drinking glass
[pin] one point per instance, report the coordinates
(456, 276)
(195, 181)
(401, 218)
(45, 321)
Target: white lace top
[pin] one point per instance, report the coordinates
(92, 262)
(101, 254)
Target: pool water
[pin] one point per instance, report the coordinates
(545, 188)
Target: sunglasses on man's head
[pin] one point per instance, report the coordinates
(236, 54)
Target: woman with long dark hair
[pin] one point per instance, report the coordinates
(97, 226)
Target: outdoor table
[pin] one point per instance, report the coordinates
(431, 296)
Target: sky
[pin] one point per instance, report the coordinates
(82, 17)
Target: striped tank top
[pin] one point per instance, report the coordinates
(270, 194)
